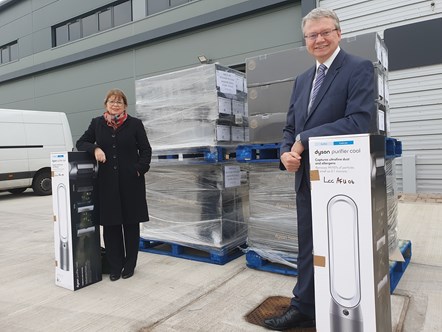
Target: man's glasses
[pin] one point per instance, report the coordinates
(115, 102)
(324, 34)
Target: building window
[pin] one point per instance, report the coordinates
(156, 6)
(174, 3)
(105, 19)
(90, 24)
(13, 51)
(74, 29)
(101, 19)
(9, 52)
(61, 35)
(122, 13)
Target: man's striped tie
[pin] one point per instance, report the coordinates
(318, 82)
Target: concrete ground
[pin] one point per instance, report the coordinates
(173, 294)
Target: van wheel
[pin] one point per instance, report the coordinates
(17, 191)
(42, 184)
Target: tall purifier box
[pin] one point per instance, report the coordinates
(350, 229)
(76, 228)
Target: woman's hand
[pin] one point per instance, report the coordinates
(100, 155)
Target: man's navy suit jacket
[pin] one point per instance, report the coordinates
(345, 104)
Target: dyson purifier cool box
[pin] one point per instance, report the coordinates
(348, 186)
(76, 229)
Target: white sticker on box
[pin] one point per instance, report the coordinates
(385, 58)
(58, 161)
(381, 85)
(378, 48)
(240, 83)
(237, 107)
(222, 133)
(224, 105)
(246, 135)
(226, 82)
(381, 120)
(232, 176)
(238, 134)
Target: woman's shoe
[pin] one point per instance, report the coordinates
(127, 275)
(114, 277)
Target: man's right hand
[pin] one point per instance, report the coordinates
(291, 161)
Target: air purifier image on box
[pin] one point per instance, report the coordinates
(64, 227)
(345, 282)
(85, 243)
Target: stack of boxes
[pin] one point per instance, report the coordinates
(269, 83)
(195, 107)
(270, 80)
(372, 47)
(197, 196)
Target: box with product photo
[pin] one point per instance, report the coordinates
(350, 229)
(76, 228)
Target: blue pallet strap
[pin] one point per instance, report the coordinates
(255, 261)
(205, 255)
(258, 153)
(397, 269)
(393, 148)
(197, 155)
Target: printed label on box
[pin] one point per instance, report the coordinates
(224, 105)
(222, 133)
(232, 176)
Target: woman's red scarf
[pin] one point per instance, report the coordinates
(115, 121)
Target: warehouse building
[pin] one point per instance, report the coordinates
(62, 55)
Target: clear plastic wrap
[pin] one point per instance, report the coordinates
(392, 203)
(199, 106)
(196, 206)
(272, 229)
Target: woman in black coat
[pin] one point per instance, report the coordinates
(119, 143)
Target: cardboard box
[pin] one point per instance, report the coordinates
(76, 228)
(350, 233)
(267, 128)
(270, 98)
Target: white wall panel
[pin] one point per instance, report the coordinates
(377, 15)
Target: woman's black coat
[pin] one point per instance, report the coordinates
(121, 191)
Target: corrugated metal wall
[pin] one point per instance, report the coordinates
(362, 16)
(416, 120)
(415, 94)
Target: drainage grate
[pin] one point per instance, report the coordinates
(272, 306)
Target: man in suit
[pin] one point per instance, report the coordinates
(342, 103)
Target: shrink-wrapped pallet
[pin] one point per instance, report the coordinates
(200, 106)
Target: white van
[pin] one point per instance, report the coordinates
(27, 139)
